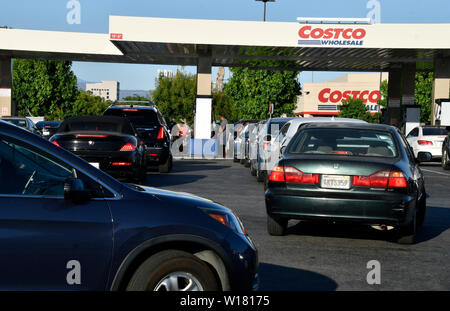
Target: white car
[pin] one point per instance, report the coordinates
(427, 139)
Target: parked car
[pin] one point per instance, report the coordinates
(48, 128)
(348, 172)
(445, 159)
(24, 123)
(153, 131)
(427, 139)
(65, 225)
(254, 145)
(241, 136)
(268, 134)
(108, 143)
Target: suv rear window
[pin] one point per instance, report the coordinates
(140, 118)
(348, 142)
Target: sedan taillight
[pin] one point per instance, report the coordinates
(382, 179)
(424, 142)
(292, 175)
(55, 143)
(128, 147)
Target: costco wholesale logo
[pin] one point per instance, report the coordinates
(327, 97)
(331, 36)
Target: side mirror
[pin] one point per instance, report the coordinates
(424, 157)
(75, 191)
(268, 138)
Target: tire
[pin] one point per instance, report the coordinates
(276, 226)
(242, 161)
(235, 160)
(445, 161)
(166, 167)
(151, 273)
(421, 212)
(252, 170)
(406, 234)
(247, 163)
(259, 175)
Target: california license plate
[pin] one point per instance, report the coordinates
(94, 164)
(335, 182)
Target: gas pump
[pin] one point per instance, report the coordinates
(442, 115)
(411, 118)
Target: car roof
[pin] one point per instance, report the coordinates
(14, 118)
(324, 119)
(140, 107)
(349, 125)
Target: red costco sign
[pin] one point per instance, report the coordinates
(116, 36)
(335, 96)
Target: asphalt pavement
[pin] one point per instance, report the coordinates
(325, 257)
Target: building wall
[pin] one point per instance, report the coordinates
(322, 99)
(109, 90)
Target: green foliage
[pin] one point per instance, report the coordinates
(423, 94)
(43, 87)
(356, 109)
(254, 90)
(223, 105)
(383, 101)
(175, 96)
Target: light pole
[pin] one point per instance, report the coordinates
(265, 3)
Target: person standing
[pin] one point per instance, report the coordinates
(223, 134)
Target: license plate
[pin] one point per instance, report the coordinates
(94, 164)
(335, 182)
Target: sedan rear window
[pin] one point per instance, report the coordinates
(348, 142)
(432, 131)
(94, 126)
(141, 118)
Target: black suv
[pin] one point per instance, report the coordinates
(152, 129)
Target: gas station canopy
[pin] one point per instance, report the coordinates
(299, 46)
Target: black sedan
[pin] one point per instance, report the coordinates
(108, 143)
(348, 172)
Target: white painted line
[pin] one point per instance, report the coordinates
(435, 172)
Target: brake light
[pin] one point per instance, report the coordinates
(128, 147)
(90, 135)
(293, 175)
(382, 179)
(424, 142)
(161, 133)
(122, 163)
(130, 109)
(266, 144)
(55, 143)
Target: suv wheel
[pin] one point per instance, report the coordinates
(445, 162)
(166, 167)
(173, 270)
(406, 234)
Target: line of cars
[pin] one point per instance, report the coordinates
(339, 171)
(62, 211)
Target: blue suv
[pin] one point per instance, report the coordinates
(65, 225)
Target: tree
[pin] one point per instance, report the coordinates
(42, 87)
(423, 94)
(222, 104)
(356, 109)
(254, 90)
(175, 96)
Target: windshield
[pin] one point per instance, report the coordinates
(349, 142)
(18, 122)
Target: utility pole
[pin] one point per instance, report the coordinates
(265, 4)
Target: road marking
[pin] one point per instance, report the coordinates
(435, 172)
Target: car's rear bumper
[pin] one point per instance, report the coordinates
(157, 155)
(114, 163)
(389, 209)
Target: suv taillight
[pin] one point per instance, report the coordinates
(161, 134)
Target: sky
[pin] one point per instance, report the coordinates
(52, 15)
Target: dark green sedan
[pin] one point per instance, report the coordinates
(351, 173)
